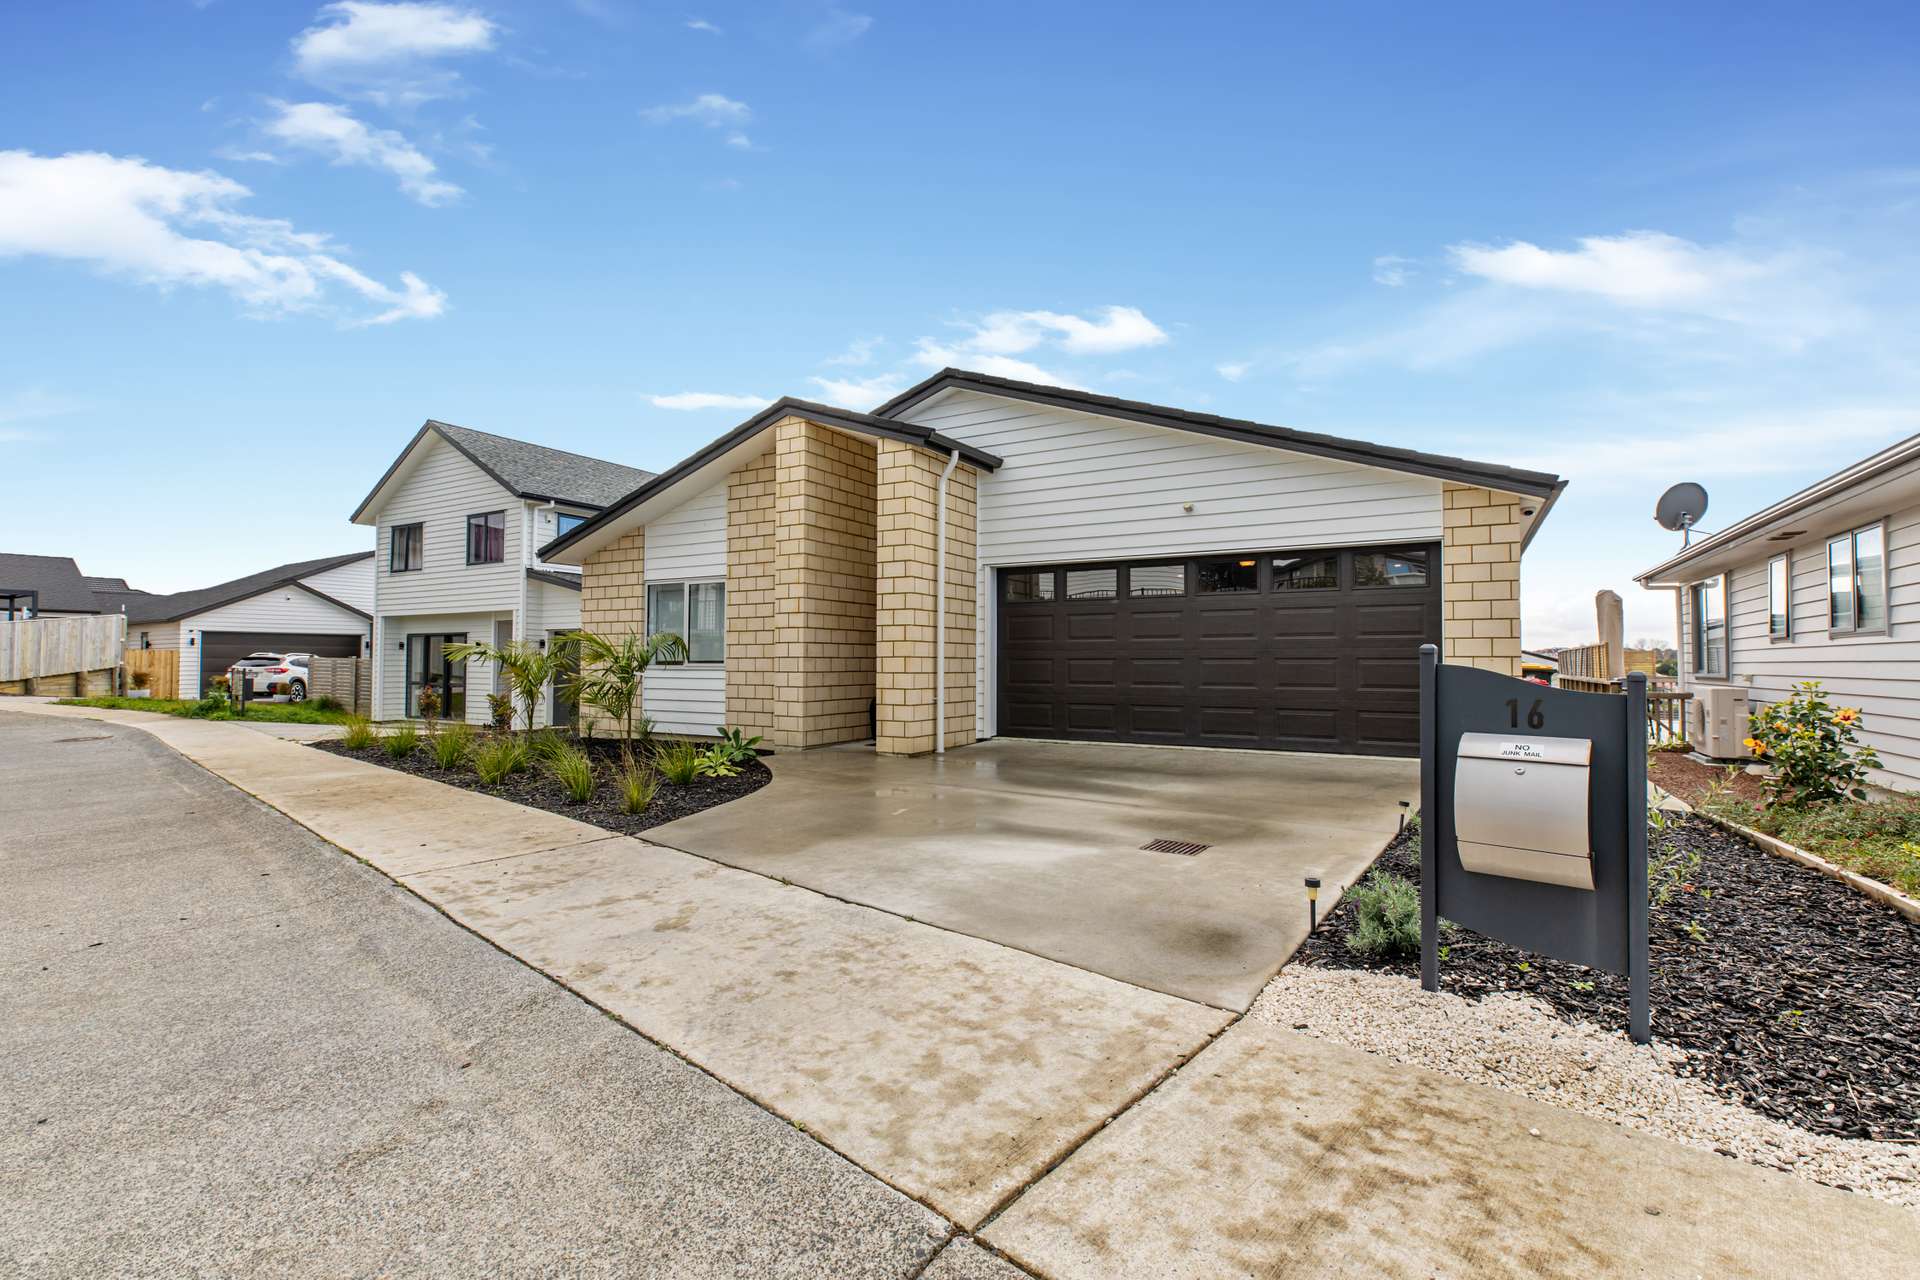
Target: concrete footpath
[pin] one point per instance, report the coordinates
(1040, 1105)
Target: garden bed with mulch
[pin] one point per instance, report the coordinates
(1793, 995)
(533, 788)
(1693, 781)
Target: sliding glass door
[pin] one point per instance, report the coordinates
(429, 667)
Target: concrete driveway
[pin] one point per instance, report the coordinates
(1037, 845)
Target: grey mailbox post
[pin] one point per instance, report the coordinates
(1533, 821)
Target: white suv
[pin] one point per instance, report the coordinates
(269, 674)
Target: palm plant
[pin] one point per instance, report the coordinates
(611, 668)
(528, 669)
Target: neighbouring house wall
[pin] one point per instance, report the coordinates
(349, 583)
(908, 600)
(160, 635)
(1078, 486)
(752, 638)
(282, 609)
(1879, 674)
(1480, 558)
(689, 544)
(824, 583)
(613, 602)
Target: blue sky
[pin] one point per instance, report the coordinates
(1629, 245)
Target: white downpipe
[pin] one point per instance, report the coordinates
(940, 617)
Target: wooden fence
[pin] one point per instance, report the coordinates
(162, 667)
(61, 656)
(1666, 708)
(349, 681)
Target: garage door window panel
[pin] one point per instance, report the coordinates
(1229, 576)
(1308, 572)
(1093, 584)
(1156, 581)
(1399, 568)
(1028, 586)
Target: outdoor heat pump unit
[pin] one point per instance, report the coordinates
(1717, 722)
(1520, 808)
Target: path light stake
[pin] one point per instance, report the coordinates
(1404, 806)
(1313, 903)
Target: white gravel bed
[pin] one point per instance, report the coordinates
(1516, 1043)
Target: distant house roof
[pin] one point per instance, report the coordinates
(56, 582)
(109, 584)
(531, 471)
(184, 604)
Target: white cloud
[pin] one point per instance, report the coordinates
(701, 24)
(859, 352)
(1639, 268)
(334, 132)
(1116, 329)
(688, 400)
(128, 217)
(240, 156)
(1392, 270)
(1233, 370)
(384, 50)
(714, 110)
(838, 28)
(860, 393)
(934, 355)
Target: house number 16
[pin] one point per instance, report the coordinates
(1536, 718)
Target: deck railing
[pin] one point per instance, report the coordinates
(1666, 708)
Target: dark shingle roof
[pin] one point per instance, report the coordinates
(535, 471)
(181, 604)
(57, 579)
(110, 584)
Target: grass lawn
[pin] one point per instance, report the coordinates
(1880, 839)
(280, 712)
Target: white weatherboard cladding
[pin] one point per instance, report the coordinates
(686, 699)
(348, 583)
(440, 492)
(1076, 486)
(551, 608)
(546, 525)
(690, 541)
(160, 635)
(1880, 674)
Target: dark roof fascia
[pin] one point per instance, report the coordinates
(571, 581)
(291, 580)
(1539, 484)
(1540, 516)
(826, 415)
(434, 425)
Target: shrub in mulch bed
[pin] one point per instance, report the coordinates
(1796, 996)
(533, 788)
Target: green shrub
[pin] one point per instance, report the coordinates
(360, 734)
(1386, 922)
(1668, 865)
(546, 745)
(500, 710)
(1812, 749)
(500, 755)
(715, 763)
(734, 747)
(452, 745)
(327, 702)
(638, 786)
(400, 741)
(678, 761)
(215, 706)
(572, 769)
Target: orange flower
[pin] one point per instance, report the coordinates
(1756, 746)
(1847, 715)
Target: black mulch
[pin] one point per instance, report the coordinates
(1798, 996)
(533, 788)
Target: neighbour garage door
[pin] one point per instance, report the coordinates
(1300, 651)
(221, 649)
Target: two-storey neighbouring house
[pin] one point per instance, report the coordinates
(459, 515)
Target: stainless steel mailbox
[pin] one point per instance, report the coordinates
(1520, 808)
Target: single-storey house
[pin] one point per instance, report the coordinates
(457, 518)
(1822, 585)
(44, 587)
(313, 606)
(981, 556)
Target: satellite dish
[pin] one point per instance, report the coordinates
(1680, 508)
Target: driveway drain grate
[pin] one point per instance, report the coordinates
(1184, 848)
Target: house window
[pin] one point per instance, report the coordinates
(1857, 582)
(566, 524)
(407, 550)
(1779, 599)
(1024, 586)
(1710, 627)
(694, 611)
(1240, 573)
(1390, 569)
(487, 537)
(1157, 580)
(146, 640)
(1306, 573)
(1093, 584)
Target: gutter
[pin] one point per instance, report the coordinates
(940, 616)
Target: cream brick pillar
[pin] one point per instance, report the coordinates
(904, 617)
(1480, 552)
(613, 602)
(823, 585)
(752, 641)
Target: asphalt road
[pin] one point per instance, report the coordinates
(227, 1048)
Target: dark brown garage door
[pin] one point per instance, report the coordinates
(221, 649)
(1299, 651)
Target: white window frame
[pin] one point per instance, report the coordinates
(1852, 538)
(685, 589)
(1698, 647)
(1785, 603)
